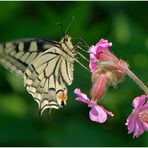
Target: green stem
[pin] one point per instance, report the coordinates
(137, 80)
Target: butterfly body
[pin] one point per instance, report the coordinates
(46, 67)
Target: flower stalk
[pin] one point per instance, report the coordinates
(137, 81)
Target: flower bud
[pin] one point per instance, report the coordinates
(99, 87)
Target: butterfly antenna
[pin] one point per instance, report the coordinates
(82, 65)
(73, 18)
(61, 26)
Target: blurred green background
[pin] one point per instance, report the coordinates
(125, 24)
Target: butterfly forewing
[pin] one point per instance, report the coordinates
(16, 56)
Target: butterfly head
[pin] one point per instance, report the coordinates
(66, 43)
(66, 39)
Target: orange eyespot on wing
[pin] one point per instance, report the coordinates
(61, 95)
(62, 98)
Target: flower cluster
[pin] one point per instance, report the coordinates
(106, 69)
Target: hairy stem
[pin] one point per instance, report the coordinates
(138, 81)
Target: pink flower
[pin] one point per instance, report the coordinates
(137, 122)
(101, 46)
(105, 66)
(97, 113)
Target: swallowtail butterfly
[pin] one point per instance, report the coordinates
(46, 67)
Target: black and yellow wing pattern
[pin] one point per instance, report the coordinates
(46, 66)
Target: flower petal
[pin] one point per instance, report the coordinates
(139, 101)
(107, 112)
(131, 120)
(92, 63)
(103, 45)
(145, 125)
(97, 114)
(81, 96)
(137, 121)
(92, 49)
(139, 129)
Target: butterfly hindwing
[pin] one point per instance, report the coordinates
(46, 78)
